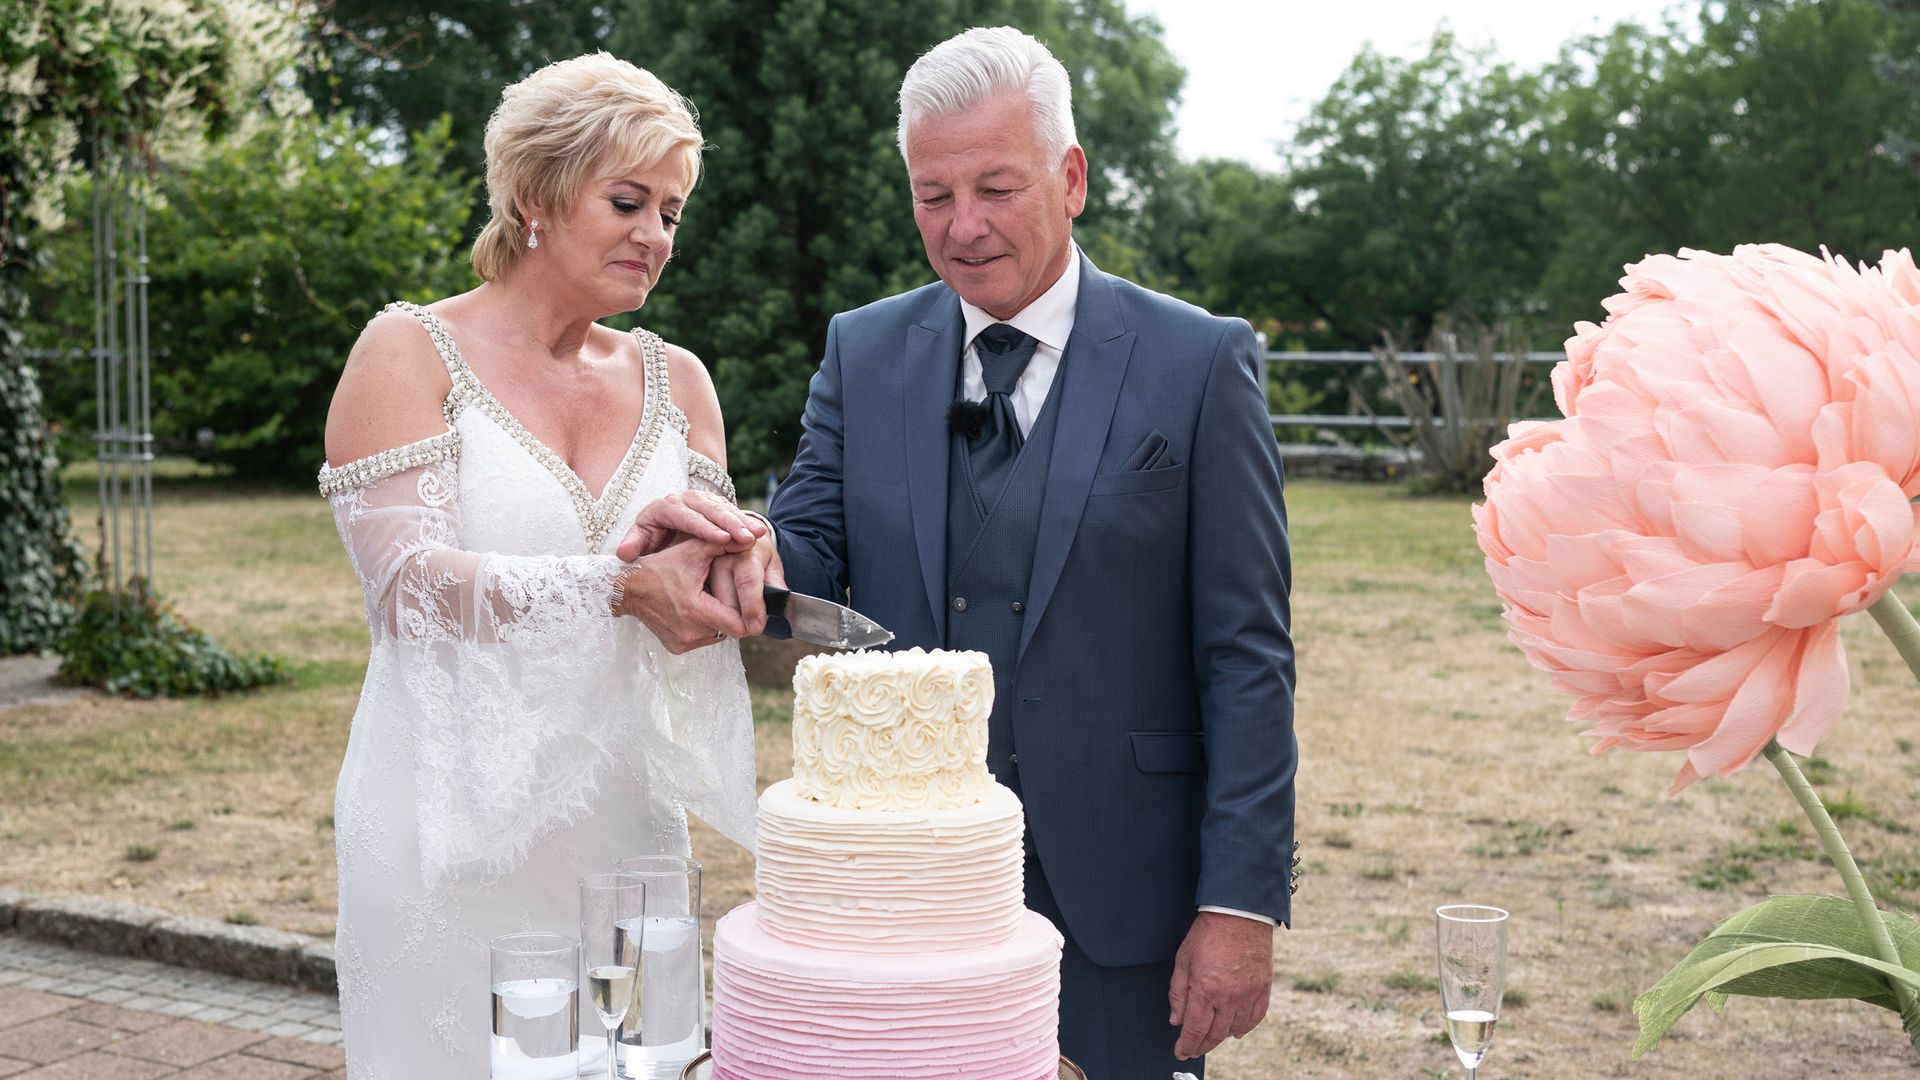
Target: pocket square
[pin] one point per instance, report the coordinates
(1150, 453)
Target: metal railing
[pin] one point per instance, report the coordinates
(1272, 357)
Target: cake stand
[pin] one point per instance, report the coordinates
(701, 1068)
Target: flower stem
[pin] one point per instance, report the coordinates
(1902, 630)
(1838, 854)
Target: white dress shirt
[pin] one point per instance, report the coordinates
(1049, 322)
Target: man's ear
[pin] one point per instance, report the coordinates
(1075, 163)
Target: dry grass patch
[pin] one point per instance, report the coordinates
(1437, 767)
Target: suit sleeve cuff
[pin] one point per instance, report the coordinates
(1255, 916)
(771, 531)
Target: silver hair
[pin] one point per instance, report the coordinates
(968, 68)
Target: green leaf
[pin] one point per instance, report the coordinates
(1799, 947)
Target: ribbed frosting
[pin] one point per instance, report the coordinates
(787, 1012)
(892, 731)
(903, 881)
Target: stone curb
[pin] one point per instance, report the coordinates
(106, 926)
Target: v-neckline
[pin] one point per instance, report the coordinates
(595, 510)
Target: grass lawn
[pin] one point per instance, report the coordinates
(1437, 767)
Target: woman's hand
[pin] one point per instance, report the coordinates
(737, 580)
(667, 592)
(689, 515)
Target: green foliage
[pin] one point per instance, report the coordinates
(154, 76)
(150, 77)
(1419, 191)
(145, 650)
(267, 260)
(803, 210)
(404, 64)
(40, 565)
(1764, 121)
(1799, 947)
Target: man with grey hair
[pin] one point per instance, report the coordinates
(1076, 476)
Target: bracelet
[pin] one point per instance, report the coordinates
(619, 594)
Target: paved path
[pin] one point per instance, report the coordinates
(71, 1015)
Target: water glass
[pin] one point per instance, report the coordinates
(536, 1007)
(670, 1030)
(1471, 940)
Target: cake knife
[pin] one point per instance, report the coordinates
(823, 622)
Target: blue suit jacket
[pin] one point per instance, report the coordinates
(1153, 690)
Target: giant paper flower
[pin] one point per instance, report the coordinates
(1735, 470)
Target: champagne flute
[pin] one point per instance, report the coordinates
(1472, 943)
(611, 910)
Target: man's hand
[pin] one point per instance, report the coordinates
(666, 590)
(1222, 978)
(736, 580)
(689, 515)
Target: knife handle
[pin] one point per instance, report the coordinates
(777, 626)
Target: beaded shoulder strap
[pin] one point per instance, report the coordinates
(465, 387)
(702, 471)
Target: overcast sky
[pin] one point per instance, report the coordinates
(1254, 67)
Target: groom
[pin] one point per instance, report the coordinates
(1106, 524)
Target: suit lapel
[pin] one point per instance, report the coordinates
(928, 378)
(1095, 365)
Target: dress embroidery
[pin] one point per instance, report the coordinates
(511, 732)
(708, 474)
(597, 516)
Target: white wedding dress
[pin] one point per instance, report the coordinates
(512, 736)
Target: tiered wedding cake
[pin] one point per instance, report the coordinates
(889, 939)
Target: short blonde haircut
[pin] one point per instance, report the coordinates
(564, 125)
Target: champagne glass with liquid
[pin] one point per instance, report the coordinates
(611, 907)
(1472, 943)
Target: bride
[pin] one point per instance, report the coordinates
(534, 708)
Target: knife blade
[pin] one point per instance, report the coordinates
(823, 622)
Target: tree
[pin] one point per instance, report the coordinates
(803, 209)
(1766, 121)
(403, 64)
(1420, 190)
(1125, 86)
(149, 78)
(272, 254)
(1903, 69)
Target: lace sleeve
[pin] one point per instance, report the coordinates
(399, 519)
(501, 673)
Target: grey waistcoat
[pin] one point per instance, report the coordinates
(990, 562)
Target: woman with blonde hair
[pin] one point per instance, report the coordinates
(534, 708)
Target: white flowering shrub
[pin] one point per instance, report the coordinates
(150, 78)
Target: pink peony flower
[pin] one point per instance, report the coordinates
(1735, 471)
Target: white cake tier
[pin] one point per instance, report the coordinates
(784, 1012)
(892, 731)
(895, 881)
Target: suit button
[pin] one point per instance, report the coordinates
(1013, 761)
(1018, 607)
(959, 603)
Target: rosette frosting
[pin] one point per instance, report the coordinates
(892, 731)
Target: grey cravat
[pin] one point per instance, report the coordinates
(1003, 353)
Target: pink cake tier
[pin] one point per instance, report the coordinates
(788, 1012)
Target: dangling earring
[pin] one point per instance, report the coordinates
(533, 234)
